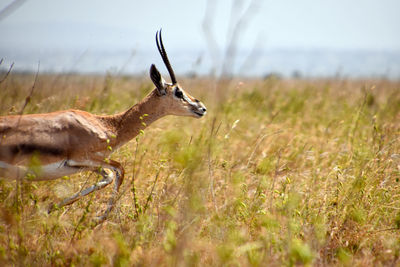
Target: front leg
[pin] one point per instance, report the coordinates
(117, 172)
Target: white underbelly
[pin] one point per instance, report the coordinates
(42, 172)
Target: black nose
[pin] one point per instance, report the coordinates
(203, 109)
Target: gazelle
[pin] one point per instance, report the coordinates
(70, 141)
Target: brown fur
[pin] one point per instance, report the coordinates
(76, 134)
(51, 145)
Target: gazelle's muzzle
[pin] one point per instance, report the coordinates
(199, 109)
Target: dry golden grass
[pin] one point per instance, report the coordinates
(279, 172)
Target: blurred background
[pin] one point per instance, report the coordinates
(308, 38)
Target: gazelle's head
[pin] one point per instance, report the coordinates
(174, 98)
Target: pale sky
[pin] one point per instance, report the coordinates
(65, 25)
(337, 24)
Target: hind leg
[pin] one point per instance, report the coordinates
(117, 174)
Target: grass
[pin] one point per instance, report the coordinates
(280, 172)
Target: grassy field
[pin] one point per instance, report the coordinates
(279, 172)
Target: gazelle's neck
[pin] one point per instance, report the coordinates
(128, 124)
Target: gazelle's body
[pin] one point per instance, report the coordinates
(52, 140)
(60, 140)
(52, 145)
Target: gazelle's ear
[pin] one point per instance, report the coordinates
(158, 81)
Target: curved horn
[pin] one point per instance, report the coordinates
(164, 56)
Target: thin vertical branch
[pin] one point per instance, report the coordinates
(210, 167)
(7, 73)
(237, 31)
(28, 98)
(8, 10)
(151, 192)
(135, 201)
(211, 43)
(223, 61)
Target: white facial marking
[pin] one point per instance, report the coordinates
(188, 99)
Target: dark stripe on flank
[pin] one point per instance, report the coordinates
(32, 148)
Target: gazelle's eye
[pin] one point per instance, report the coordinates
(178, 93)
